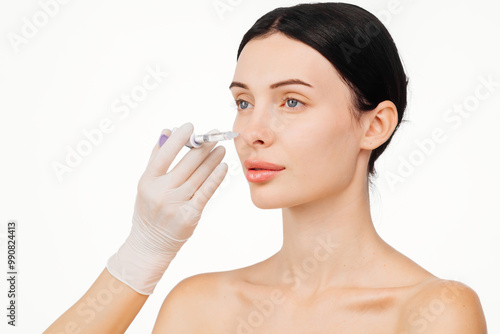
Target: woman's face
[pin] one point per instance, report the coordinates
(303, 126)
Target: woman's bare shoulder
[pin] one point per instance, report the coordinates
(196, 301)
(443, 306)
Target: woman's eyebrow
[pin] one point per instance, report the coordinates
(275, 85)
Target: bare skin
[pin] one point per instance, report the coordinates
(333, 274)
(227, 302)
(109, 306)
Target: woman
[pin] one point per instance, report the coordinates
(320, 91)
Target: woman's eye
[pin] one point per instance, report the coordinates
(291, 103)
(242, 104)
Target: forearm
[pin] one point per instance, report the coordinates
(109, 306)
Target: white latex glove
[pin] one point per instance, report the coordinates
(167, 209)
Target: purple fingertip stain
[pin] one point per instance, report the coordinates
(162, 140)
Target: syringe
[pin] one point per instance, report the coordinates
(196, 141)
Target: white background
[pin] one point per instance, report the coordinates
(65, 79)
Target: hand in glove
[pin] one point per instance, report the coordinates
(167, 209)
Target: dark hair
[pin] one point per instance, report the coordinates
(356, 43)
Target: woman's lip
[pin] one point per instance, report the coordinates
(252, 164)
(258, 176)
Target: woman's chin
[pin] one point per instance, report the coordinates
(266, 205)
(270, 200)
(265, 200)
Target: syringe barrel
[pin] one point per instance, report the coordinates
(211, 137)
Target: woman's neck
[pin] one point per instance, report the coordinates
(327, 242)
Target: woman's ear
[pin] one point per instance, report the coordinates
(378, 125)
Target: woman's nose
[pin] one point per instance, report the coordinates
(256, 130)
(258, 137)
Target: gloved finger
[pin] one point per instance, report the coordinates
(208, 187)
(204, 170)
(167, 153)
(190, 162)
(156, 148)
